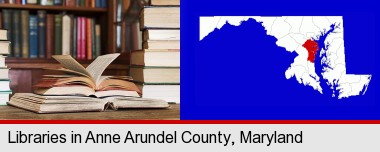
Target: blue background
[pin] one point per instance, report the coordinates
(238, 72)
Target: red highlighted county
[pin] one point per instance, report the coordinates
(311, 47)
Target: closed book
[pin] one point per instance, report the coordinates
(97, 40)
(160, 17)
(92, 3)
(79, 37)
(25, 33)
(46, 2)
(58, 34)
(155, 75)
(4, 73)
(168, 58)
(33, 36)
(161, 34)
(165, 2)
(104, 3)
(4, 85)
(31, 1)
(74, 39)
(169, 93)
(58, 2)
(93, 47)
(50, 35)
(3, 35)
(18, 1)
(4, 97)
(16, 39)
(83, 38)
(162, 44)
(41, 33)
(70, 2)
(7, 22)
(4, 47)
(66, 37)
(1, 20)
(98, 3)
(88, 39)
(2, 61)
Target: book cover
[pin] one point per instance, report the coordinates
(83, 38)
(79, 37)
(31, 1)
(88, 39)
(33, 36)
(46, 2)
(25, 33)
(58, 2)
(16, 39)
(97, 40)
(41, 33)
(73, 36)
(50, 34)
(58, 34)
(7, 24)
(93, 47)
(66, 37)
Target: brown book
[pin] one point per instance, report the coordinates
(59, 104)
(162, 44)
(50, 35)
(165, 2)
(1, 20)
(160, 17)
(88, 39)
(25, 33)
(70, 2)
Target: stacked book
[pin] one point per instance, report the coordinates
(83, 89)
(77, 3)
(5, 90)
(156, 68)
(42, 35)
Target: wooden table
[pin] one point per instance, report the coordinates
(8, 112)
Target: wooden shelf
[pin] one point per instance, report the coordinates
(54, 8)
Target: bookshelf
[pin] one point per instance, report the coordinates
(25, 72)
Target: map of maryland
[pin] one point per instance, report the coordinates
(319, 44)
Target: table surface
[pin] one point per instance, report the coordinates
(12, 113)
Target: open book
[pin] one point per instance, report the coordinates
(86, 81)
(57, 104)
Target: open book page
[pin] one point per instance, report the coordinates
(97, 67)
(70, 63)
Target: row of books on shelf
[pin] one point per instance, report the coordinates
(77, 3)
(5, 90)
(156, 68)
(43, 35)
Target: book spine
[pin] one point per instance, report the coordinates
(31, 1)
(46, 2)
(93, 47)
(58, 34)
(66, 24)
(25, 33)
(70, 3)
(57, 2)
(89, 39)
(16, 33)
(50, 35)
(18, 1)
(74, 37)
(41, 33)
(97, 40)
(83, 40)
(98, 3)
(33, 36)
(7, 24)
(104, 3)
(92, 3)
(23, 2)
(79, 37)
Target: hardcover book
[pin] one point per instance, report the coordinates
(59, 104)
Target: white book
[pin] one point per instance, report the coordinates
(66, 29)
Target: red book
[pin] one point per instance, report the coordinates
(49, 35)
(79, 38)
(17, 1)
(83, 35)
(70, 2)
